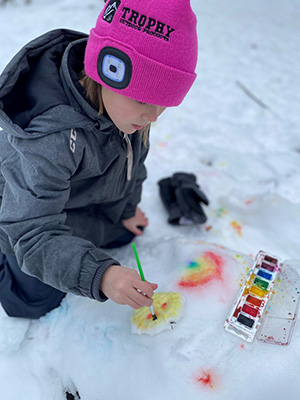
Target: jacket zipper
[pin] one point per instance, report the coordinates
(129, 156)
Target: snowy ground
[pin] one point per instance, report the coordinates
(245, 151)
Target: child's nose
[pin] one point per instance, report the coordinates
(153, 112)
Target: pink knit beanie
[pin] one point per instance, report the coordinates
(145, 50)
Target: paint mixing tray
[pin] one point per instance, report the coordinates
(267, 304)
(280, 316)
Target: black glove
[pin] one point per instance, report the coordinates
(167, 194)
(182, 197)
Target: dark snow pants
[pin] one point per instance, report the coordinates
(24, 296)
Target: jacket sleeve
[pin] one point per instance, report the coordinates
(37, 187)
(141, 175)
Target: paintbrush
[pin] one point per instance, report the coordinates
(154, 317)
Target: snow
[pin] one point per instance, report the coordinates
(245, 152)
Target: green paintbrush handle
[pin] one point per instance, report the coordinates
(154, 317)
(138, 262)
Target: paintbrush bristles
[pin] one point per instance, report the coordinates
(154, 317)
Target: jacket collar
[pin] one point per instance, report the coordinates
(69, 71)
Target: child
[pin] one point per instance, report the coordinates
(74, 119)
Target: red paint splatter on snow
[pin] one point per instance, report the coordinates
(149, 316)
(164, 305)
(206, 379)
(242, 346)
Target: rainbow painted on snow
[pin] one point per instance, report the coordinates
(206, 268)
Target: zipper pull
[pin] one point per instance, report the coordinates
(129, 156)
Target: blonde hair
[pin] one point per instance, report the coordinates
(93, 91)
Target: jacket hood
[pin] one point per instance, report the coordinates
(38, 79)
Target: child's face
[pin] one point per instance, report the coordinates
(127, 114)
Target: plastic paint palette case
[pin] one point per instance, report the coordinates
(267, 304)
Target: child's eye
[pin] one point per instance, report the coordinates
(140, 102)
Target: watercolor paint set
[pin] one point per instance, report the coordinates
(266, 306)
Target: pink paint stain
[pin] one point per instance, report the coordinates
(248, 202)
(205, 269)
(163, 144)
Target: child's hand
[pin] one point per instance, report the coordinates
(132, 223)
(124, 286)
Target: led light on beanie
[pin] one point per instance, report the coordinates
(114, 67)
(145, 50)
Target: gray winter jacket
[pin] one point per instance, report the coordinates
(58, 157)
